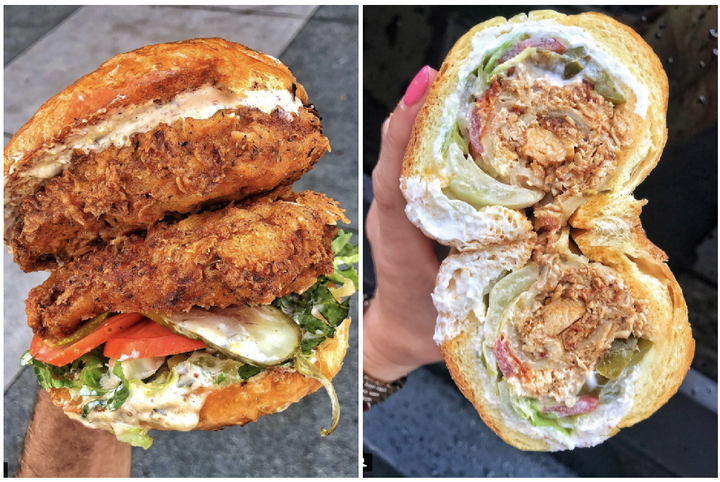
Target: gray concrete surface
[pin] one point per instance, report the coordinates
(428, 429)
(24, 26)
(320, 47)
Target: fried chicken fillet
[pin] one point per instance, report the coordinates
(175, 168)
(246, 253)
(165, 129)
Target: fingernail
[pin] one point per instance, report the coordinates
(417, 87)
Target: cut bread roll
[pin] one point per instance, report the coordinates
(546, 142)
(558, 319)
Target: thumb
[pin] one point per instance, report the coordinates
(396, 132)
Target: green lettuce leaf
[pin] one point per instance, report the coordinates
(48, 376)
(247, 371)
(319, 299)
(136, 437)
(114, 398)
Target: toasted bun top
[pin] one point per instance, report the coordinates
(156, 72)
(151, 72)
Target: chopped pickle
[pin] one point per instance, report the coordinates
(644, 347)
(573, 68)
(575, 53)
(82, 332)
(547, 59)
(605, 86)
(618, 358)
(261, 336)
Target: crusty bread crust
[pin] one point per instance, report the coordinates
(270, 391)
(159, 71)
(607, 229)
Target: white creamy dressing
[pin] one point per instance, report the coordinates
(589, 429)
(117, 129)
(175, 407)
(463, 281)
(457, 223)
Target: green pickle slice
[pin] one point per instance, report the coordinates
(619, 356)
(605, 86)
(81, 333)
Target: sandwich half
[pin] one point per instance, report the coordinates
(559, 320)
(191, 288)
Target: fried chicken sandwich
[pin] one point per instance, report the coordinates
(191, 288)
(558, 319)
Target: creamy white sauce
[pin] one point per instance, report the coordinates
(457, 223)
(117, 129)
(175, 407)
(463, 281)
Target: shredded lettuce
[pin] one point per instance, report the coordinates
(136, 437)
(345, 254)
(320, 309)
(247, 371)
(112, 399)
(530, 410)
(48, 376)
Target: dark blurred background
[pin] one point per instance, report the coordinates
(429, 429)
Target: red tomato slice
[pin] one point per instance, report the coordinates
(585, 404)
(62, 355)
(149, 339)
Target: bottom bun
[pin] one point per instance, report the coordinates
(272, 390)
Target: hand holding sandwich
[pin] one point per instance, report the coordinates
(400, 320)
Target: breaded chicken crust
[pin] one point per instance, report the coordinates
(177, 168)
(250, 252)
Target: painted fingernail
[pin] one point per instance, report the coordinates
(417, 87)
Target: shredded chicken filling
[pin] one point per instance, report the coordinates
(558, 333)
(561, 139)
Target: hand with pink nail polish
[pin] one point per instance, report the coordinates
(399, 322)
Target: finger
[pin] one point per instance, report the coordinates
(396, 131)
